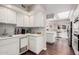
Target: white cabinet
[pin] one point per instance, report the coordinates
(36, 19)
(3, 15)
(9, 46)
(20, 18)
(31, 21)
(3, 50)
(51, 37)
(11, 16)
(7, 15)
(39, 20)
(26, 21)
(32, 44)
(12, 49)
(23, 44)
(36, 44)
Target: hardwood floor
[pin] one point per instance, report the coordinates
(60, 47)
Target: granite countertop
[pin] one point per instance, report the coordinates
(20, 35)
(50, 31)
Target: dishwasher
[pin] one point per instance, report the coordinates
(23, 44)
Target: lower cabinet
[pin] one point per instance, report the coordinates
(16, 46)
(50, 37)
(36, 44)
(23, 44)
(10, 48)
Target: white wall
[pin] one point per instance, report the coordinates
(9, 29)
(57, 8)
(57, 23)
(37, 29)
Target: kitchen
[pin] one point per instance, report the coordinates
(29, 28)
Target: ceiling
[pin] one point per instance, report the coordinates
(57, 8)
(57, 11)
(51, 8)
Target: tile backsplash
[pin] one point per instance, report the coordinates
(10, 28)
(38, 30)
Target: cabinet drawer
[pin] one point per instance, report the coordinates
(8, 41)
(3, 50)
(10, 49)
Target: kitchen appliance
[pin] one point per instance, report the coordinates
(23, 44)
(17, 30)
(23, 31)
(29, 30)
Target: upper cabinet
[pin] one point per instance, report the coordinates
(31, 21)
(7, 15)
(19, 19)
(26, 21)
(11, 16)
(39, 16)
(35, 18)
(3, 15)
(39, 19)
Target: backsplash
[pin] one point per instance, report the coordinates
(32, 30)
(8, 27)
(38, 30)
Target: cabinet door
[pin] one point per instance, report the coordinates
(13, 49)
(19, 20)
(3, 18)
(3, 50)
(11, 16)
(39, 20)
(31, 23)
(9, 47)
(24, 42)
(32, 43)
(26, 21)
(36, 44)
(50, 37)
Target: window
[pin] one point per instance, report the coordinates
(63, 15)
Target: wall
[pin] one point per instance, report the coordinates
(37, 29)
(10, 29)
(33, 29)
(54, 24)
